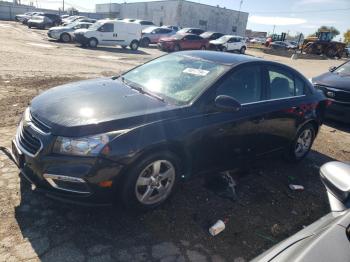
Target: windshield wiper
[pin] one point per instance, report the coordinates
(140, 89)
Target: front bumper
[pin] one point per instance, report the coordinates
(68, 178)
(53, 35)
(339, 111)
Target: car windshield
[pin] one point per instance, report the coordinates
(225, 38)
(96, 26)
(343, 70)
(206, 34)
(174, 77)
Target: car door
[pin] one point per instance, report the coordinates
(286, 106)
(188, 42)
(107, 35)
(232, 137)
(231, 44)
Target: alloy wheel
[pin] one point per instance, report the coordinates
(155, 182)
(303, 143)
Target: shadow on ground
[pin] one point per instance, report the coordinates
(266, 212)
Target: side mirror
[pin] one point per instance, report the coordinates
(227, 103)
(332, 68)
(101, 29)
(336, 177)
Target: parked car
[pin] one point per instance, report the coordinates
(64, 16)
(211, 35)
(110, 32)
(347, 51)
(66, 33)
(257, 41)
(335, 84)
(144, 23)
(229, 43)
(134, 136)
(44, 20)
(86, 20)
(281, 45)
(328, 238)
(195, 31)
(183, 42)
(172, 27)
(152, 35)
(71, 19)
(24, 19)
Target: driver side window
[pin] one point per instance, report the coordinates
(107, 28)
(244, 85)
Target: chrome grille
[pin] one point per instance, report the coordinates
(40, 125)
(335, 93)
(28, 141)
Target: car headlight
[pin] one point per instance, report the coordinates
(84, 146)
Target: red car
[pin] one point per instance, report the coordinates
(182, 42)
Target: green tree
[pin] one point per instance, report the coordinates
(347, 37)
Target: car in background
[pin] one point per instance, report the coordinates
(71, 19)
(144, 23)
(66, 33)
(172, 27)
(328, 238)
(110, 33)
(257, 41)
(86, 20)
(64, 16)
(280, 45)
(134, 137)
(22, 17)
(183, 42)
(152, 35)
(187, 30)
(43, 21)
(335, 85)
(25, 19)
(211, 35)
(229, 43)
(347, 51)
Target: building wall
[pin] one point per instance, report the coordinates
(182, 13)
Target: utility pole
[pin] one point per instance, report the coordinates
(63, 6)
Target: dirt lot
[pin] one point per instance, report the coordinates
(34, 228)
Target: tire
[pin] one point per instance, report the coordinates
(134, 45)
(29, 26)
(224, 49)
(177, 48)
(93, 42)
(146, 42)
(203, 48)
(139, 192)
(242, 50)
(302, 143)
(65, 38)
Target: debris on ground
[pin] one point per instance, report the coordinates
(296, 187)
(217, 228)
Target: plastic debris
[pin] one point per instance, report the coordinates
(217, 228)
(296, 187)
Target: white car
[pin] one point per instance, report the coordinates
(110, 33)
(229, 43)
(66, 33)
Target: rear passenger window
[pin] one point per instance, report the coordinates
(244, 85)
(284, 84)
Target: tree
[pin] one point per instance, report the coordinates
(332, 29)
(347, 37)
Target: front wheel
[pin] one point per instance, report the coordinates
(177, 48)
(150, 182)
(93, 42)
(65, 38)
(302, 143)
(146, 42)
(224, 49)
(242, 50)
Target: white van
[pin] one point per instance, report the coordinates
(111, 33)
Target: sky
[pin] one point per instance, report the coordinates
(291, 16)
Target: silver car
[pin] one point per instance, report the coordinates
(153, 34)
(66, 33)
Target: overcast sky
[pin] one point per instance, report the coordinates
(288, 15)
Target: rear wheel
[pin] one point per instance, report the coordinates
(302, 143)
(134, 45)
(65, 38)
(93, 42)
(242, 50)
(150, 182)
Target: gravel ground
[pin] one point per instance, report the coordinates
(34, 228)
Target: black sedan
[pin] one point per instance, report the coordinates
(133, 137)
(335, 84)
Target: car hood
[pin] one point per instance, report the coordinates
(95, 106)
(81, 31)
(61, 28)
(333, 80)
(217, 42)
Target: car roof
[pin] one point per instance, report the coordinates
(220, 57)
